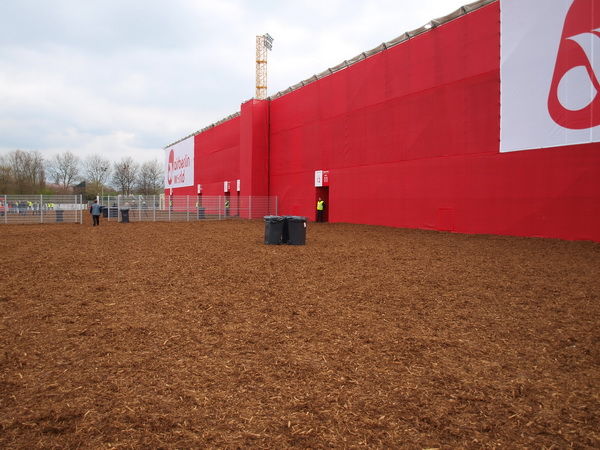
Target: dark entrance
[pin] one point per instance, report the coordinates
(323, 193)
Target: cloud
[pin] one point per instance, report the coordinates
(127, 78)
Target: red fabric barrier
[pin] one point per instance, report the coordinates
(410, 137)
(520, 194)
(217, 157)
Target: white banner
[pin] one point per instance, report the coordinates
(179, 164)
(550, 73)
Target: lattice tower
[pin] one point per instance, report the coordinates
(263, 44)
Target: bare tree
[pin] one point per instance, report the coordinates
(26, 169)
(96, 171)
(151, 178)
(34, 171)
(125, 175)
(63, 169)
(6, 179)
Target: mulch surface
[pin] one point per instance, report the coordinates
(179, 335)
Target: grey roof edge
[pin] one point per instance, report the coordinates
(463, 10)
(219, 122)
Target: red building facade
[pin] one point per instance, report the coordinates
(409, 137)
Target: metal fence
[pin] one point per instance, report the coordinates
(185, 208)
(41, 209)
(135, 208)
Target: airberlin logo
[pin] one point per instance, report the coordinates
(574, 100)
(176, 168)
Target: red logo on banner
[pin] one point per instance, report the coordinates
(578, 107)
(170, 167)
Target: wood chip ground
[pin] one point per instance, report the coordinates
(197, 335)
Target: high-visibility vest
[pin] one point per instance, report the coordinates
(321, 205)
(227, 204)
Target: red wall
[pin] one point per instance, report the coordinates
(410, 137)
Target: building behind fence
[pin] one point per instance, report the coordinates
(134, 208)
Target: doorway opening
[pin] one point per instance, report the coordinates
(323, 194)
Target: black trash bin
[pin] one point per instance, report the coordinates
(274, 229)
(285, 235)
(125, 215)
(296, 230)
(59, 215)
(201, 213)
(104, 212)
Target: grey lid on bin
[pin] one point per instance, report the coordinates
(274, 219)
(296, 218)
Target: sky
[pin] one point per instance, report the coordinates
(126, 78)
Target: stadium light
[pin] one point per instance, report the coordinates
(268, 41)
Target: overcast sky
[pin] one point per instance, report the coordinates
(129, 77)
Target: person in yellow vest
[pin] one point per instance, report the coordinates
(320, 209)
(227, 208)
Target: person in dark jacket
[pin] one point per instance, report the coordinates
(95, 211)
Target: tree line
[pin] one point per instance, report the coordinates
(28, 172)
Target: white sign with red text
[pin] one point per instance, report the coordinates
(179, 164)
(550, 73)
(321, 178)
